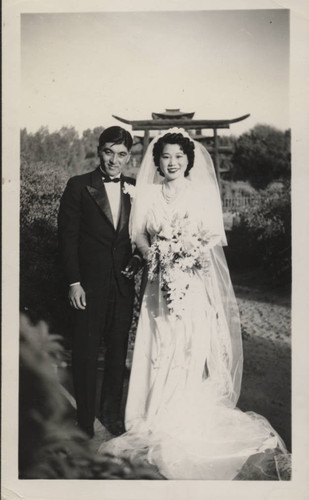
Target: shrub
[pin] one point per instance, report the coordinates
(261, 235)
(42, 288)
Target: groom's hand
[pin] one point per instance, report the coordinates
(77, 297)
(133, 267)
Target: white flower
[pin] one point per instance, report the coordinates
(177, 252)
(129, 189)
(187, 262)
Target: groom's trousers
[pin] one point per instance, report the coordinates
(107, 317)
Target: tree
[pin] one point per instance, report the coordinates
(62, 147)
(90, 141)
(262, 155)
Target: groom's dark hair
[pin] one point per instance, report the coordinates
(116, 135)
(185, 144)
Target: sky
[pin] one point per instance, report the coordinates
(80, 69)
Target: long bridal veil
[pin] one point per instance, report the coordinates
(181, 413)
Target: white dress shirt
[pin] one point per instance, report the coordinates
(113, 190)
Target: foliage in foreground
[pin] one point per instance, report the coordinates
(50, 446)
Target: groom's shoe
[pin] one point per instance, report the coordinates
(117, 428)
(87, 429)
(113, 425)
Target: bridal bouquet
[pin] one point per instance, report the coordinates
(175, 255)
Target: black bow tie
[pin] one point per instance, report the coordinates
(110, 179)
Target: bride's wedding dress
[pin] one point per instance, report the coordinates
(186, 374)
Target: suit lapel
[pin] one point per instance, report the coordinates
(98, 192)
(125, 208)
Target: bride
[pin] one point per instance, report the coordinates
(181, 413)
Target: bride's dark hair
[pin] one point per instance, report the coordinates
(185, 144)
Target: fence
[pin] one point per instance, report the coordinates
(233, 204)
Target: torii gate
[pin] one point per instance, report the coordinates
(176, 118)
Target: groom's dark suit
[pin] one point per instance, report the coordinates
(94, 253)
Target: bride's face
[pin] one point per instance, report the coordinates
(173, 162)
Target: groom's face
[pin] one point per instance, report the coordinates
(113, 158)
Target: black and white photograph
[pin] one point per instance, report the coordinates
(152, 295)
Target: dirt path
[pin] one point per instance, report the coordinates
(266, 328)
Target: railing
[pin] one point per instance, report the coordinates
(232, 204)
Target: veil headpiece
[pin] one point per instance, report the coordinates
(202, 176)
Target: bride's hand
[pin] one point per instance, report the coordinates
(147, 256)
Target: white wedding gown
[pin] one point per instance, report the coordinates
(180, 413)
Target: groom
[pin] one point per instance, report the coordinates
(99, 266)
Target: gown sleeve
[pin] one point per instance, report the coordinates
(138, 220)
(202, 213)
(142, 242)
